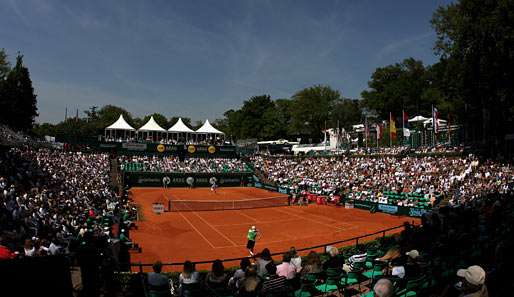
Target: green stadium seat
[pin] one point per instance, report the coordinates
(332, 281)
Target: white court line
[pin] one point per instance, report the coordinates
(323, 217)
(259, 222)
(245, 215)
(214, 228)
(309, 219)
(192, 226)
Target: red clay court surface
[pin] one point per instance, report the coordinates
(209, 235)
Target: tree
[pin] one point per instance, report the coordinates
(476, 38)
(346, 112)
(5, 66)
(398, 87)
(311, 109)
(18, 101)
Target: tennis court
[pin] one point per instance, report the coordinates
(206, 235)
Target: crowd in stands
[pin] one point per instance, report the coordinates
(188, 165)
(367, 178)
(54, 202)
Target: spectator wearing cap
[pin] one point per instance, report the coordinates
(383, 288)
(472, 282)
(412, 269)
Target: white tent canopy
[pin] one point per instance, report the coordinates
(207, 128)
(418, 118)
(120, 124)
(150, 126)
(180, 127)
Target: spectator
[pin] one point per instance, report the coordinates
(264, 259)
(383, 288)
(5, 253)
(472, 282)
(216, 277)
(28, 248)
(251, 285)
(296, 260)
(412, 269)
(188, 277)
(239, 274)
(312, 263)
(158, 281)
(355, 261)
(286, 269)
(273, 283)
(334, 260)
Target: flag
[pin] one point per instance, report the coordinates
(392, 127)
(435, 119)
(405, 121)
(379, 129)
(366, 129)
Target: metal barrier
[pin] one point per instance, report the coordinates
(324, 246)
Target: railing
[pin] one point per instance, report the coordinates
(324, 246)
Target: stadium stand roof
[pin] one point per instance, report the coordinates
(180, 127)
(151, 125)
(207, 128)
(120, 124)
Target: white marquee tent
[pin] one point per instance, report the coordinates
(180, 129)
(151, 128)
(208, 131)
(119, 126)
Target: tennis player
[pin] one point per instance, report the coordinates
(252, 236)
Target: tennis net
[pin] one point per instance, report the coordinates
(200, 205)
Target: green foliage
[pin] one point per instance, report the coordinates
(5, 66)
(475, 39)
(311, 109)
(17, 99)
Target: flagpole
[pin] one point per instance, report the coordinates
(403, 125)
(390, 133)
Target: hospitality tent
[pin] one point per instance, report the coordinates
(180, 131)
(417, 119)
(208, 131)
(152, 130)
(119, 126)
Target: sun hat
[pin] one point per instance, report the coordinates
(413, 254)
(474, 275)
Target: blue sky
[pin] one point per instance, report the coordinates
(200, 58)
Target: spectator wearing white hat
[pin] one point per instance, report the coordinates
(472, 282)
(412, 269)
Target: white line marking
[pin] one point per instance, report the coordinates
(214, 228)
(200, 233)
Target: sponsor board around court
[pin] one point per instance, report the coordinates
(155, 179)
